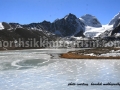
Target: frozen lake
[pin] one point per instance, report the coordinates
(35, 69)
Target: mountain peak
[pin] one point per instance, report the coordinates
(88, 15)
(71, 16)
(114, 19)
(90, 20)
(68, 26)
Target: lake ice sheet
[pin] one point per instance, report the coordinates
(36, 70)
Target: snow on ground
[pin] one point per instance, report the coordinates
(91, 54)
(1, 26)
(117, 34)
(111, 53)
(95, 32)
(76, 38)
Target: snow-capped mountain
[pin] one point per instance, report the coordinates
(68, 26)
(93, 27)
(114, 30)
(90, 20)
(114, 19)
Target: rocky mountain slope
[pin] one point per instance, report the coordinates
(23, 38)
(68, 26)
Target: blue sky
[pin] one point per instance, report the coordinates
(28, 11)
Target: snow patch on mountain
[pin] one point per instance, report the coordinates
(117, 34)
(96, 31)
(1, 26)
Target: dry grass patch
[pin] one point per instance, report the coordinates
(80, 54)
